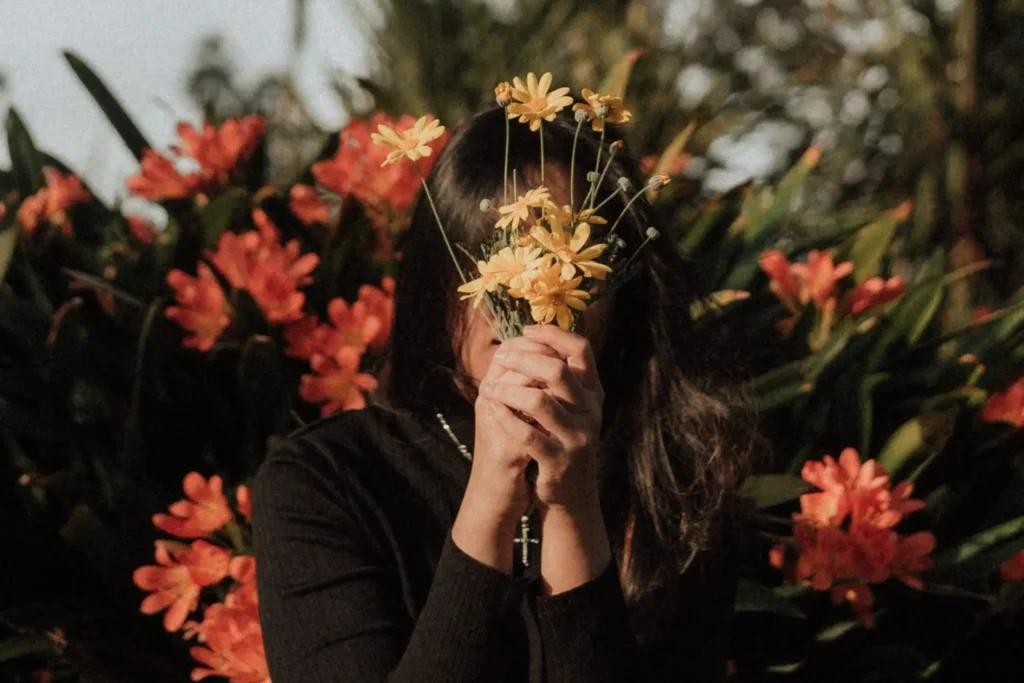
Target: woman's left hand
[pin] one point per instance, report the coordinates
(565, 398)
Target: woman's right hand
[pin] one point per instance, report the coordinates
(497, 494)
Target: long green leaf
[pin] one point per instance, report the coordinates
(26, 161)
(769, 490)
(756, 597)
(872, 242)
(980, 542)
(8, 240)
(923, 435)
(119, 119)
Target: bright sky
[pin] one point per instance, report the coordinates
(142, 50)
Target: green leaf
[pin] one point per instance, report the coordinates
(8, 240)
(119, 119)
(980, 542)
(764, 213)
(713, 221)
(924, 435)
(872, 242)
(35, 644)
(836, 631)
(769, 490)
(26, 161)
(756, 597)
(216, 216)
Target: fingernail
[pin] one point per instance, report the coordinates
(500, 354)
(530, 329)
(486, 388)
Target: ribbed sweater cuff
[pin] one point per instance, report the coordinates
(458, 623)
(585, 630)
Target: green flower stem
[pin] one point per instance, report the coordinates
(234, 534)
(625, 210)
(540, 131)
(504, 185)
(608, 199)
(636, 253)
(440, 226)
(572, 170)
(600, 181)
(597, 167)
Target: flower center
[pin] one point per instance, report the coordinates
(538, 103)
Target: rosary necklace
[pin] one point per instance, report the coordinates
(524, 540)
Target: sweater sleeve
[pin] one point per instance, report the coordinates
(331, 610)
(586, 633)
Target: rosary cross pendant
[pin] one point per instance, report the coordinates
(525, 540)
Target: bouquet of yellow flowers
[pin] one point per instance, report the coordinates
(545, 262)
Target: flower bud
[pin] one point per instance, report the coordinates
(503, 94)
(653, 234)
(616, 146)
(593, 177)
(625, 185)
(659, 181)
(485, 204)
(602, 110)
(582, 116)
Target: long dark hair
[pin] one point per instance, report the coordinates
(677, 435)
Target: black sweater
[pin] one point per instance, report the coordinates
(359, 579)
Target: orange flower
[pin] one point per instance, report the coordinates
(1013, 568)
(913, 555)
(844, 533)
(233, 647)
(1007, 406)
(875, 292)
(201, 307)
(355, 170)
(337, 384)
(203, 511)
(256, 262)
(380, 302)
(243, 499)
(352, 326)
(308, 206)
(51, 203)
(176, 581)
(782, 284)
(218, 150)
(141, 229)
(818, 277)
(159, 180)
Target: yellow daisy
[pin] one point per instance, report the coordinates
(552, 298)
(410, 143)
(514, 268)
(570, 249)
(519, 211)
(476, 289)
(533, 101)
(614, 112)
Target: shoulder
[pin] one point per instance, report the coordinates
(328, 451)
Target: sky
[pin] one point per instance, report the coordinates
(142, 50)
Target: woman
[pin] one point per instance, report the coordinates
(390, 541)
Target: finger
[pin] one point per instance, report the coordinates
(533, 441)
(497, 371)
(536, 404)
(574, 348)
(553, 373)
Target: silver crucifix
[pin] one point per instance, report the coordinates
(525, 540)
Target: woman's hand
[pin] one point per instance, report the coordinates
(497, 493)
(556, 386)
(551, 378)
